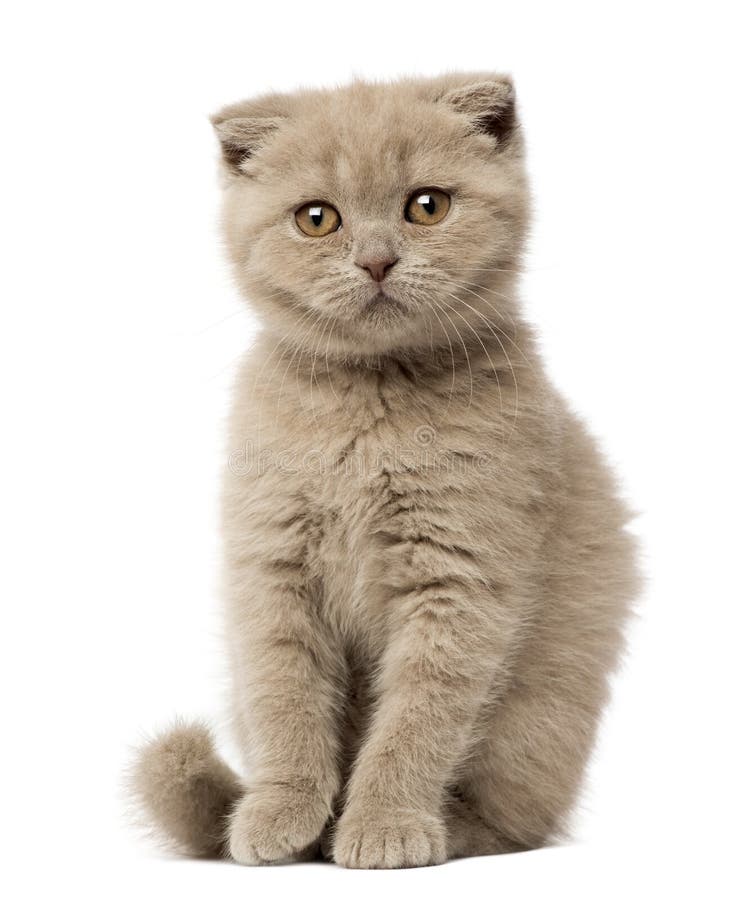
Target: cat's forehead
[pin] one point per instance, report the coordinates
(365, 144)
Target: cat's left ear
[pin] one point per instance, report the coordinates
(490, 104)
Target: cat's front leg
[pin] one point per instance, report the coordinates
(288, 676)
(450, 635)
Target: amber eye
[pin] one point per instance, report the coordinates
(427, 206)
(317, 219)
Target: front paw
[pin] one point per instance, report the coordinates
(277, 822)
(369, 838)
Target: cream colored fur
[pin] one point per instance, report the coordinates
(427, 566)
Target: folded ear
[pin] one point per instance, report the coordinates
(240, 138)
(243, 128)
(490, 104)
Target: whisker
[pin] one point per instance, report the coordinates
(502, 347)
(296, 356)
(312, 314)
(466, 285)
(225, 368)
(326, 360)
(285, 337)
(451, 351)
(463, 286)
(494, 269)
(237, 312)
(301, 319)
(305, 345)
(466, 352)
(313, 370)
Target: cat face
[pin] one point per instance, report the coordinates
(376, 218)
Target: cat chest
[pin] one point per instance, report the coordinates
(348, 505)
(357, 499)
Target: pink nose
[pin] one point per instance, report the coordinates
(377, 267)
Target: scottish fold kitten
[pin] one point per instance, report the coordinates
(427, 566)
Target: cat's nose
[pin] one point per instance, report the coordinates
(377, 267)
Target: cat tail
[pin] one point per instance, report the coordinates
(185, 791)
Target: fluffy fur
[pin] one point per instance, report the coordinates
(427, 567)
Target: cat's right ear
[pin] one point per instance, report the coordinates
(241, 136)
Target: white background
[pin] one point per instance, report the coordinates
(120, 327)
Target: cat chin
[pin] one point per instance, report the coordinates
(383, 308)
(384, 336)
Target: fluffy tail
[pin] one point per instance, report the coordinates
(186, 791)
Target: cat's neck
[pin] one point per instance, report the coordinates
(505, 345)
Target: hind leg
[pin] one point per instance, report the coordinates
(468, 833)
(520, 782)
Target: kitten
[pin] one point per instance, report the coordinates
(427, 566)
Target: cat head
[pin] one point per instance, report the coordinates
(376, 218)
